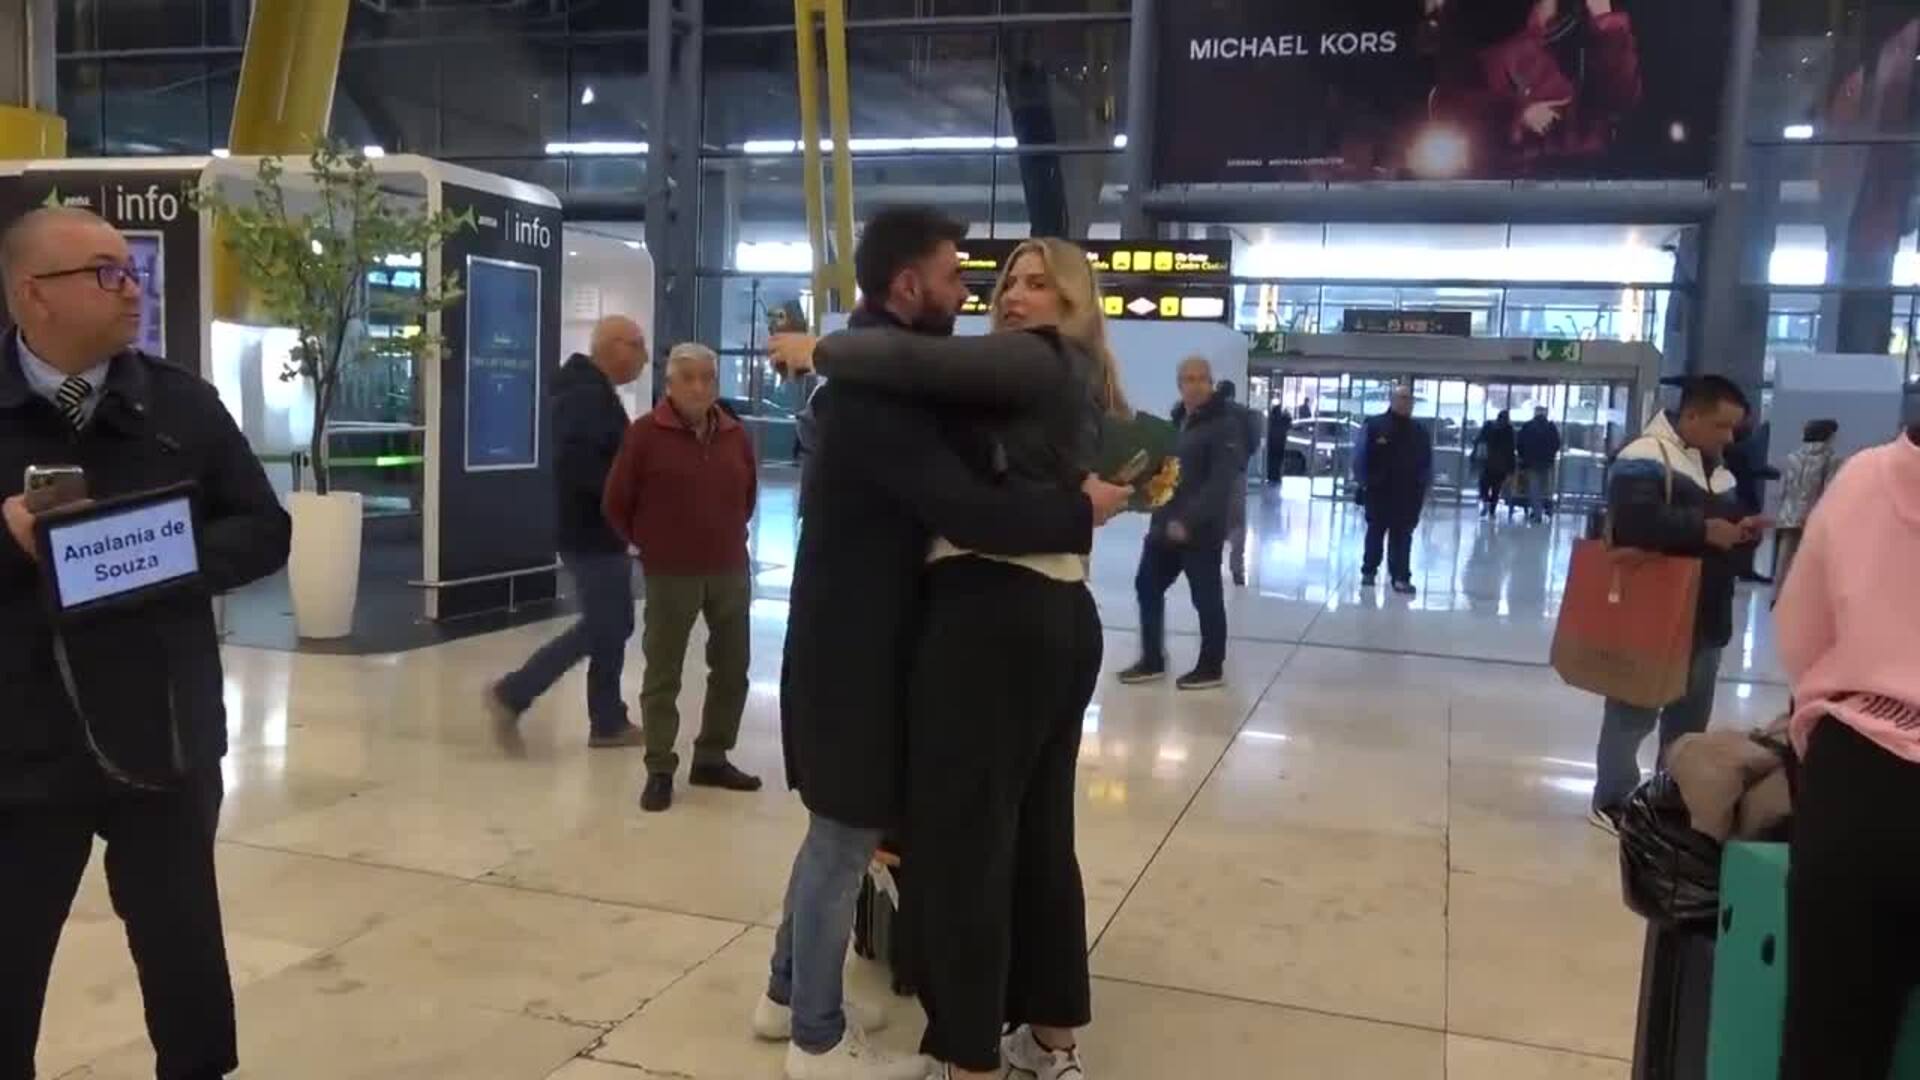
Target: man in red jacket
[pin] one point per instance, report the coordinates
(682, 492)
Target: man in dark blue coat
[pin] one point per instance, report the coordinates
(588, 424)
(1188, 534)
(1393, 465)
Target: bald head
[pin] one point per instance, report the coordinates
(71, 286)
(1196, 382)
(38, 234)
(618, 348)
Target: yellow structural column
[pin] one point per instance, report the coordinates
(287, 75)
(808, 65)
(840, 112)
(26, 133)
(284, 102)
(834, 277)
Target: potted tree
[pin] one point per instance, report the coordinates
(307, 243)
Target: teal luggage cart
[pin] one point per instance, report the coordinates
(1750, 972)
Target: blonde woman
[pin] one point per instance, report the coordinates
(1008, 659)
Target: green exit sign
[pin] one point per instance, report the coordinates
(1556, 351)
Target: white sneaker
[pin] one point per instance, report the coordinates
(773, 1021)
(1024, 1054)
(854, 1059)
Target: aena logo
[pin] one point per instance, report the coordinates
(54, 198)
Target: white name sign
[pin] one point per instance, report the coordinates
(111, 554)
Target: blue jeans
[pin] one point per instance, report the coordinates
(1539, 490)
(810, 951)
(1161, 564)
(1624, 727)
(604, 586)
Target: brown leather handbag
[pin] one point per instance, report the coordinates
(1627, 620)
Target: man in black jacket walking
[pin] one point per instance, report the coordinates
(882, 484)
(1279, 426)
(1393, 463)
(588, 425)
(1188, 533)
(1495, 447)
(114, 725)
(1539, 447)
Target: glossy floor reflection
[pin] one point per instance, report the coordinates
(1365, 858)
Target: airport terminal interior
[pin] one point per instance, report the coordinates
(1366, 856)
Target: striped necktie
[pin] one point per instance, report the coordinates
(70, 397)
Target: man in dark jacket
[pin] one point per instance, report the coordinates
(1393, 464)
(588, 424)
(1668, 492)
(114, 724)
(1539, 445)
(1187, 534)
(1495, 448)
(1279, 426)
(883, 482)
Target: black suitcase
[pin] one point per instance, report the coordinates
(1676, 1000)
(876, 927)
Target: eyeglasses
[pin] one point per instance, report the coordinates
(110, 276)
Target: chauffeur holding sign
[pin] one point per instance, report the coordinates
(113, 724)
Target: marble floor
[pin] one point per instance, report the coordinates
(1365, 858)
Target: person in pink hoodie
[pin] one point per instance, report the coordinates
(1848, 624)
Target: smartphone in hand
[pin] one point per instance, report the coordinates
(49, 487)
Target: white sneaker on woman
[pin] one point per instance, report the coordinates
(1023, 1053)
(854, 1059)
(773, 1021)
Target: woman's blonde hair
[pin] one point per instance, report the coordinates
(1082, 320)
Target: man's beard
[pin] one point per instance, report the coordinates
(934, 322)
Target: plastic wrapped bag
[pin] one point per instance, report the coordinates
(1669, 872)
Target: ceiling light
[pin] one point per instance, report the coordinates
(586, 96)
(374, 151)
(596, 147)
(222, 152)
(886, 144)
(1797, 132)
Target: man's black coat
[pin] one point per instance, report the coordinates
(149, 678)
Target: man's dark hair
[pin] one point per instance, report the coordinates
(895, 237)
(1227, 390)
(1820, 431)
(1704, 393)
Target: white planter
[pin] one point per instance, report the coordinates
(324, 567)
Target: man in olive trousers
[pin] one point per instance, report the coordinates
(682, 492)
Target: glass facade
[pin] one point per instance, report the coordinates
(1834, 144)
(1011, 115)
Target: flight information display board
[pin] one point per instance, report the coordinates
(1156, 280)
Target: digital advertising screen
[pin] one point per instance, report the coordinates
(1361, 90)
(149, 250)
(503, 364)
